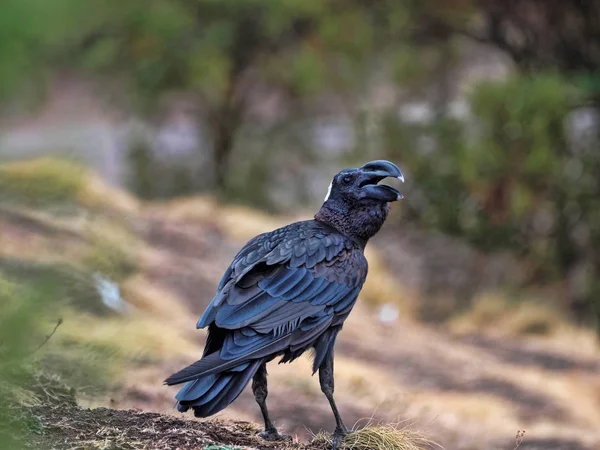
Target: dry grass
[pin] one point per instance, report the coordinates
(494, 315)
(371, 384)
(382, 287)
(141, 293)
(189, 209)
(41, 181)
(238, 222)
(244, 223)
(18, 395)
(378, 437)
(494, 312)
(132, 338)
(450, 409)
(78, 239)
(47, 180)
(97, 194)
(111, 251)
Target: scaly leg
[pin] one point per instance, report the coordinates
(259, 388)
(327, 386)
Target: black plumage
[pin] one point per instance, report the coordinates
(288, 291)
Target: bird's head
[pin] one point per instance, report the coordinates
(356, 203)
(360, 186)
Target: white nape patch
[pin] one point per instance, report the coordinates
(328, 191)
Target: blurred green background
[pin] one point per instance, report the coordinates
(491, 109)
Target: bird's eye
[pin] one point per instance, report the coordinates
(347, 179)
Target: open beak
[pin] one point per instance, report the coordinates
(375, 171)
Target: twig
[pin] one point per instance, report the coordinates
(60, 321)
(519, 438)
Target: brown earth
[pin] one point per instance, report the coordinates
(74, 428)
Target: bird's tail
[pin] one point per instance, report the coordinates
(209, 394)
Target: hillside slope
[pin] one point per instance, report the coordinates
(469, 390)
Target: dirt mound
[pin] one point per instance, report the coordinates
(71, 427)
(74, 428)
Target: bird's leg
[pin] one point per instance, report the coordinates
(259, 388)
(327, 386)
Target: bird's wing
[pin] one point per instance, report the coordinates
(279, 267)
(282, 291)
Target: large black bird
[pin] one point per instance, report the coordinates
(288, 291)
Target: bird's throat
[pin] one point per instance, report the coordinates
(359, 222)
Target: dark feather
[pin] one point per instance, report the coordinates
(288, 291)
(280, 295)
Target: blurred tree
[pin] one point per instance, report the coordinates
(561, 37)
(540, 34)
(510, 179)
(232, 56)
(29, 31)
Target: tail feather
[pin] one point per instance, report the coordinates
(214, 364)
(208, 365)
(196, 388)
(212, 393)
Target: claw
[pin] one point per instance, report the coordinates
(338, 437)
(273, 435)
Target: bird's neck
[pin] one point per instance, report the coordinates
(359, 222)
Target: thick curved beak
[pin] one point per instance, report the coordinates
(375, 171)
(383, 169)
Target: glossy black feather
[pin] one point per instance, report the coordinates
(278, 296)
(288, 291)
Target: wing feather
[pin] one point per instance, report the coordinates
(282, 290)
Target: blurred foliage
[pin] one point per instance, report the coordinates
(23, 322)
(21, 50)
(507, 178)
(39, 293)
(224, 57)
(40, 366)
(492, 183)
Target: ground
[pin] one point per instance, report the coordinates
(73, 428)
(468, 384)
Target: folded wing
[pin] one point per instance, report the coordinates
(282, 291)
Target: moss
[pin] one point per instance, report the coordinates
(41, 181)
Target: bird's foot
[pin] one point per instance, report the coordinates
(273, 435)
(338, 437)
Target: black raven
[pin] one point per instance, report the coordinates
(288, 291)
